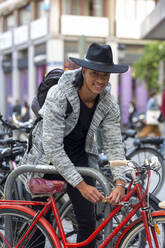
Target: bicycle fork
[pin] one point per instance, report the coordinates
(149, 225)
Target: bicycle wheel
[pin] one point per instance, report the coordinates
(20, 222)
(139, 155)
(132, 239)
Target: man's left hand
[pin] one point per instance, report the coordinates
(117, 194)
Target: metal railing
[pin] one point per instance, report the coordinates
(84, 171)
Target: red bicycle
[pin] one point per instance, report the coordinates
(19, 223)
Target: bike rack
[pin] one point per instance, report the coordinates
(84, 171)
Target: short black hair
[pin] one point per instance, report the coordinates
(78, 82)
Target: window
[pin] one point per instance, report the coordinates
(83, 7)
(9, 22)
(71, 7)
(88, 10)
(66, 7)
(24, 15)
(76, 7)
(98, 7)
(40, 10)
(94, 8)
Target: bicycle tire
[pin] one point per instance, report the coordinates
(139, 155)
(20, 221)
(131, 238)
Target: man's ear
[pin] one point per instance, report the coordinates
(83, 71)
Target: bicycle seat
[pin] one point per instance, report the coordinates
(44, 186)
(129, 133)
(149, 140)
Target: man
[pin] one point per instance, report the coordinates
(68, 141)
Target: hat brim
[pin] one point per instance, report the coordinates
(102, 67)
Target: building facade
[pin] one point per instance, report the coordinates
(153, 26)
(38, 35)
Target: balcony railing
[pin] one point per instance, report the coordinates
(5, 40)
(70, 25)
(84, 25)
(38, 28)
(22, 34)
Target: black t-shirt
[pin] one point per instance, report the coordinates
(74, 143)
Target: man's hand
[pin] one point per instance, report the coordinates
(117, 194)
(89, 192)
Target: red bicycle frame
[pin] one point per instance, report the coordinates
(141, 204)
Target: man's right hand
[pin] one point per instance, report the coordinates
(89, 192)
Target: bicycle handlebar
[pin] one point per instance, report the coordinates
(7, 124)
(20, 124)
(151, 163)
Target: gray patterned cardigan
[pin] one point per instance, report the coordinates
(49, 133)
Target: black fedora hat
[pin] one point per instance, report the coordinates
(100, 58)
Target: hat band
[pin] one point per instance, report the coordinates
(96, 62)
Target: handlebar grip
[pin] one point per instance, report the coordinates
(118, 163)
(162, 204)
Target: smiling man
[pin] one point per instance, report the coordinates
(67, 141)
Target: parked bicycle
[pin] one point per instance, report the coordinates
(11, 152)
(9, 130)
(23, 128)
(144, 148)
(69, 220)
(140, 149)
(146, 231)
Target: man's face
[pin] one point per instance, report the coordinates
(95, 81)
